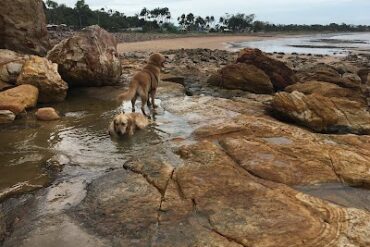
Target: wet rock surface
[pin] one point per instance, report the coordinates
(6, 116)
(88, 59)
(214, 169)
(23, 27)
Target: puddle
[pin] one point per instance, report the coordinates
(80, 136)
(278, 140)
(340, 194)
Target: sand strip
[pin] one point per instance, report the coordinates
(221, 42)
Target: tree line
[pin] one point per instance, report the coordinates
(160, 19)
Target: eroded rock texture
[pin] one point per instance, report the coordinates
(23, 27)
(242, 76)
(89, 58)
(323, 114)
(19, 98)
(44, 75)
(280, 75)
(233, 178)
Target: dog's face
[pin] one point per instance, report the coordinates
(158, 60)
(122, 124)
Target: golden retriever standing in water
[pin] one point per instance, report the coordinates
(145, 82)
(127, 123)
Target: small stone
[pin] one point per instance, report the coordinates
(6, 116)
(47, 114)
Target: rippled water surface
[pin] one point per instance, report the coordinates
(79, 138)
(324, 44)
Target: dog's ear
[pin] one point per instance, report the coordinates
(131, 126)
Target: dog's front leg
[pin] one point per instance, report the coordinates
(152, 95)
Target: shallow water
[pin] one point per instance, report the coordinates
(79, 138)
(323, 44)
(340, 194)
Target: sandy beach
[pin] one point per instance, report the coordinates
(220, 42)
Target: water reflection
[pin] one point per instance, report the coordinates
(340, 194)
(81, 136)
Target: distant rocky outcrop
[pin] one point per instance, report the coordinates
(324, 72)
(280, 75)
(254, 72)
(44, 75)
(23, 26)
(88, 59)
(246, 77)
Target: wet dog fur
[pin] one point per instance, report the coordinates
(125, 124)
(144, 83)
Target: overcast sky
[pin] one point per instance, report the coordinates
(275, 11)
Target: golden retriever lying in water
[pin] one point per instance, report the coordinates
(126, 124)
(145, 82)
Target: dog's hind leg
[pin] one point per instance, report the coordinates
(144, 101)
(133, 101)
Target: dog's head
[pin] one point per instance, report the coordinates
(158, 59)
(122, 124)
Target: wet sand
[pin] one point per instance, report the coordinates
(220, 42)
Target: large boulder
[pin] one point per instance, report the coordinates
(89, 58)
(246, 77)
(44, 75)
(328, 90)
(323, 114)
(280, 75)
(11, 64)
(324, 72)
(23, 26)
(19, 98)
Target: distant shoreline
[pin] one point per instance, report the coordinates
(235, 42)
(209, 42)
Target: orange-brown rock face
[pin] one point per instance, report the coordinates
(327, 89)
(47, 114)
(242, 76)
(44, 75)
(280, 75)
(89, 58)
(323, 114)
(23, 27)
(19, 98)
(224, 172)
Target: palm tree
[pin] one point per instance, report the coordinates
(212, 20)
(144, 13)
(190, 20)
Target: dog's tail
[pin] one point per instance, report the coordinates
(130, 93)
